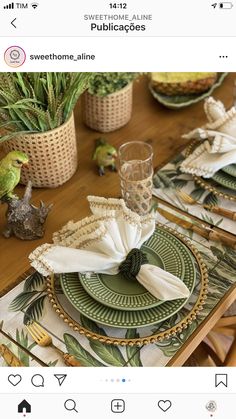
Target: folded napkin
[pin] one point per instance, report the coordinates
(219, 147)
(109, 242)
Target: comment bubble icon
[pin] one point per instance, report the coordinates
(37, 380)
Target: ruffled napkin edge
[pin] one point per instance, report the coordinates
(90, 229)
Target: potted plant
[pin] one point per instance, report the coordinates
(107, 102)
(36, 117)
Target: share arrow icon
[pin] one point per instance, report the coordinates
(61, 378)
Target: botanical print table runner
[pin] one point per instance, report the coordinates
(170, 178)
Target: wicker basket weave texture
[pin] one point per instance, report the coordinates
(108, 113)
(137, 194)
(52, 155)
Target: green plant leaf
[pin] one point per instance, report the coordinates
(133, 352)
(168, 183)
(8, 124)
(91, 325)
(197, 193)
(180, 183)
(22, 84)
(75, 348)
(207, 218)
(211, 199)
(169, 172)
(230, 260)
(52, 363)
(103, 84)
(157, 182)
(109, 353)
(218, 223)
(35, 282)
(170, 346)
(38, 102)
(8, 137)
(217, 252)
(178, 159)
(35, 310)
(22, 338)
(21, 300)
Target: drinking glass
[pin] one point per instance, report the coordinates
(136, 172)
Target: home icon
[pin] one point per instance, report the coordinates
(24, 405)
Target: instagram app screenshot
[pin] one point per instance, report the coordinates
(118, 209)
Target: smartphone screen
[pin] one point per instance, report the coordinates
(118, 209)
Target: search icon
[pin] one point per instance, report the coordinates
(70, 405)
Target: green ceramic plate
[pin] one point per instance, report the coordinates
(116, 292)
(178, 102)
(224, 179)
(230, 169)
(100, 313)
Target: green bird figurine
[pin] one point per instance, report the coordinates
(105, 155)
(10, 170)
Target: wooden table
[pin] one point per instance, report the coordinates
(150, 122)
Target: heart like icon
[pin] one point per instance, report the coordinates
(164, 405)
(14, 379)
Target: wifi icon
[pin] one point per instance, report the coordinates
(34, 5)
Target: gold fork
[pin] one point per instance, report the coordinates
(42, 338)
(217, 210)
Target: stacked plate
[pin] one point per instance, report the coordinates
(223, 183)
(113, 301)
(226, 177)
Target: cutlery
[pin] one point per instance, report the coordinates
(9, 357)
(42, 338)
(23, 348)
(208, 232)
(217, 210)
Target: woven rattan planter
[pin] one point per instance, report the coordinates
(108, 113)
(52, 155)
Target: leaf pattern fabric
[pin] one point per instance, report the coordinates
(170, 178)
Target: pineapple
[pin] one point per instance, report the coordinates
(172, 84)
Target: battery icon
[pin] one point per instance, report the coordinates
(226, 5)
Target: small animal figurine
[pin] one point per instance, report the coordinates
(10, 170)
(24, 220)
(105, 155)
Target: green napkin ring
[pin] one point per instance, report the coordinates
(130, 267)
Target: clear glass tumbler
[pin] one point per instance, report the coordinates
(136, 172)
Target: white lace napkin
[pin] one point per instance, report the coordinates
(104, 243)
(219, 146)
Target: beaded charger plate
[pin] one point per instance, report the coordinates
(116, 292)
(211, 184)
(146, 335)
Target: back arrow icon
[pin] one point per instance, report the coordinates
(12, 22)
